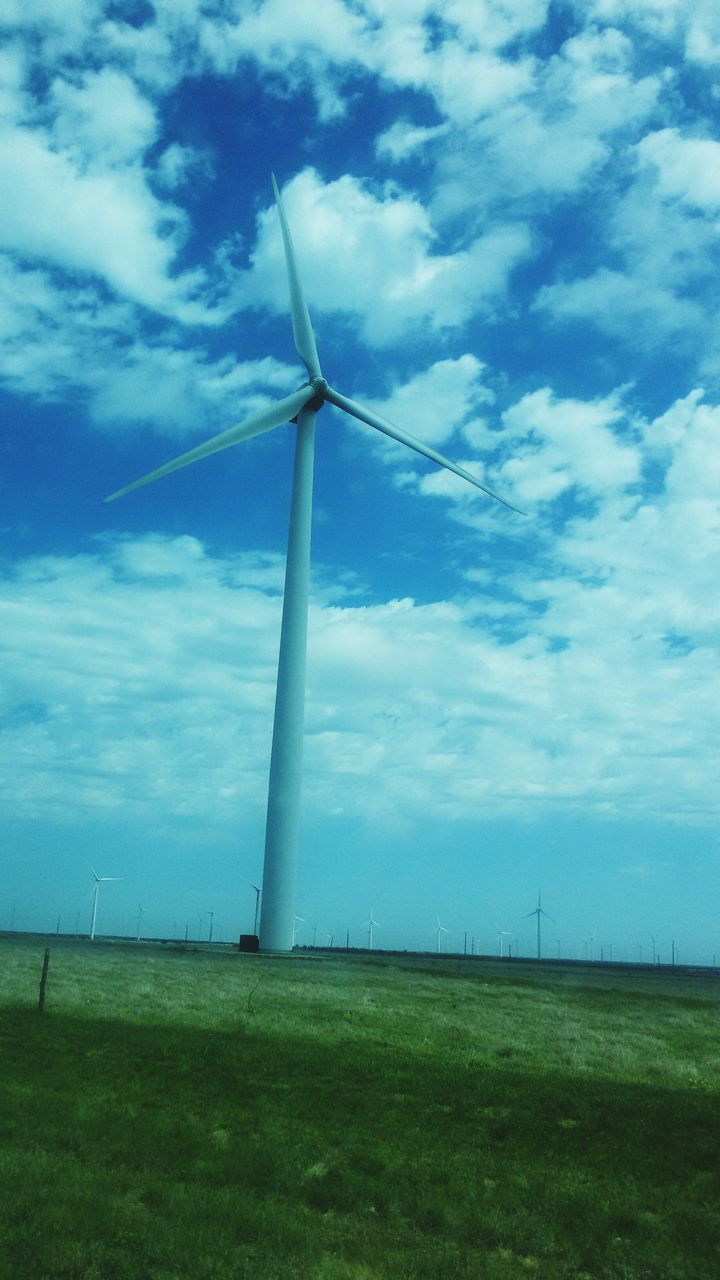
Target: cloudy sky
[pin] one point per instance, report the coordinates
(507, 214)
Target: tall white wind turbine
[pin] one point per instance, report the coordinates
(301, 407)
(439, 930)
(539, 912)
(503, 933)
(370, 925)
(95, 894)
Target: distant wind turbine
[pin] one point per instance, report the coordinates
(503, 933)
(95, 894)
(590, 942)
(296, 920)
(301, 406)
(141, 912)
(370, 925)
(439, 929)
(539, 912)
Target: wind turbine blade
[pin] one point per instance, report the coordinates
(302, 328)
(264, 420)
(403, 437)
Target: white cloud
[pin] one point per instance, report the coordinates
(433, 405)
(371, 255)
(663, 238)
(177, 164)
(554, 138)
(56, 343)
(142, 675)
(688, 169)
(559, 443)
(403, 139)
(105, 224)
(695, 26)
(625, 304)
(101, 118)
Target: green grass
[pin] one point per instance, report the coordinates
(201, 1115)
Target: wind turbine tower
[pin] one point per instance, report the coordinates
(95, 894)
(370, 925)
(502, 933)
(439, 930)
(539, 912)
(300, 407)
(258, 891)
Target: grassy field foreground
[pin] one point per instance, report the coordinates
(201, 1115)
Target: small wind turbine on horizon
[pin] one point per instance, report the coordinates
(439, 930)
(301, 407)
(95, 894)
(141, 912)
(370, 925)
(539, 912)
(590, 942)
(503, 933)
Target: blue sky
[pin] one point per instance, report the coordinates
(507, 217)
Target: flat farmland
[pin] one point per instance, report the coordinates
(196, 1114)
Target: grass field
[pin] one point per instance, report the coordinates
(201, 1115)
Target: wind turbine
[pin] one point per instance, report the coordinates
(95, 893)
(539, 912)
(503, 933)
(591, 941)
(258, 891)
(296, 920)
(301, 407)
(370, 925)
(141, 912)
(439, 929)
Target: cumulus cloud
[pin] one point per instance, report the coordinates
(56, 343)
(370, 254)
(696, 26)
(559, 443)
(662, 235)
(688, 169)
(590, 681)
(101, 118)
(553, 139)
(435, 402)
(103, 224)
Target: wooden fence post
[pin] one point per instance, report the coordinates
(43, 980)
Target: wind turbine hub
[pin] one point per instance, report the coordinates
(320, 386)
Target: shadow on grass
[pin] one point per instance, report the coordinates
(179, 1154)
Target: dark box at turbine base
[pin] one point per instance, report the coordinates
(248, 942)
